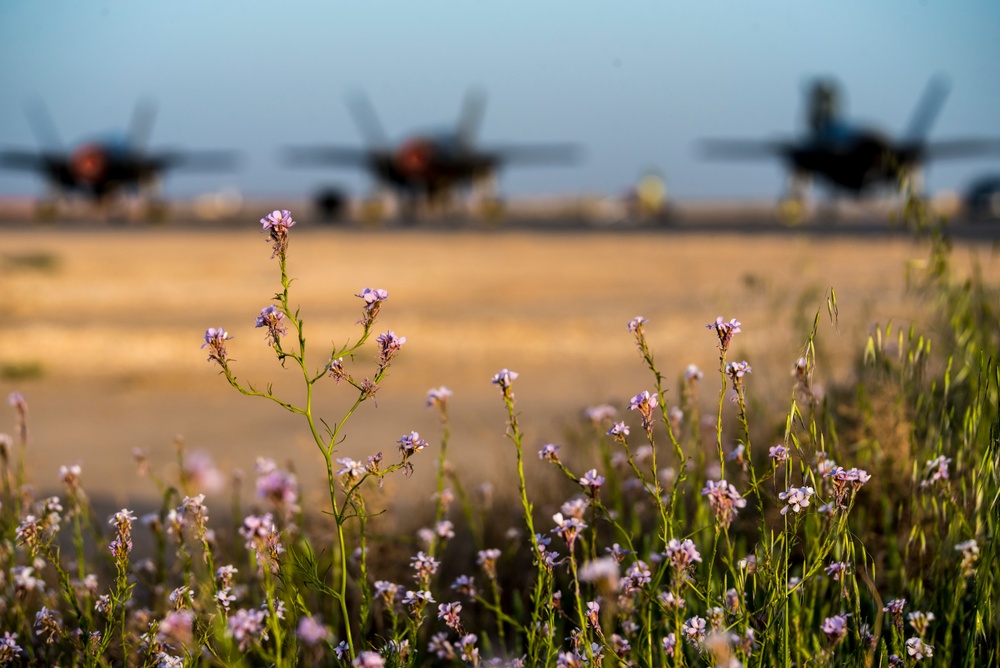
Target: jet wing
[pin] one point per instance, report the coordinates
(312, 156)
(209, 161)
(30, 161)
(535, 154)
(746, 149)
(960, 148)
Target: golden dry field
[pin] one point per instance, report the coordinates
(102, 330)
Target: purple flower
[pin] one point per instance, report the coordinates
(636, 323)
(247, 627)
(278, 222)
(504, 378)
(694, 630)
(591, 482)
(778, 453)
(936, 471)
(644, 402)
(335, 369)
(438, 396)
(311, 632)
(918, 649)
(215, 339)
(725, 330)
(837, 570)
(736, 371)
(279, 487)
(411, 443)
(549, 452)
(271, 318)
(388, 345)
(568, 528)
(601, 414)
(618, 430)
(373, 302)
(682, 554)
(797, 498)
(449, 613)
(692, 374)
(835, 627)
(724, 499)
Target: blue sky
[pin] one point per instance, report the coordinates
(636, 83)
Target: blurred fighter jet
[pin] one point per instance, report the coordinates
(104, 168)
(427, 169)
(855, 159)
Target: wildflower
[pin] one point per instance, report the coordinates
(694, 630)
(350, 469)
(918, 649)
(835, 627)
(591, 482)
(177, 625)
(449, 613)
(970, 554)
(618, 430)
(215, 339)
(692, 374)
(417, 600)
(896, 661)
(335, 369)
(342, 650)
(504, 378)
(617, 552)
(669, 644)
(725, 501)
(261, 536)
(164, 660)
(601, 414)
(470, 653)
(637, 576)
(438, 397)
(593, 614)
(271, 317)
(411, 443)
(797, 498)
(425, 566)
(440, 647)
(278, 223)
(122, 545)
(671, 601)
(748, 563)
(895, 607)
(920, 621)
(277, 486)
(549, 452)
(603, 573)
(837, 570)
(311, 632)
(644, 402)
(373, 302)
(198, 469)
(736, 371)
(388, 345)
(225, 574)
(247, 627)
(103, 604)
(568, 529)
(725, 331)
(636, 323)
(778, 453)
(70, 476)
(180, 597)
(10, 651)
(387, 590)
(48, 623)
(846, 482)
(937, 470)
(465, 585)
(682, 554)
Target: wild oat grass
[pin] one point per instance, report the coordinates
(858, 526)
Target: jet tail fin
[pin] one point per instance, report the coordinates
(927, 110)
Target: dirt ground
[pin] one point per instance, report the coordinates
(102, 330)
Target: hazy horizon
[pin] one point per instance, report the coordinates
(635, 85)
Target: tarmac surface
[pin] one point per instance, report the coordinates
(104, 321)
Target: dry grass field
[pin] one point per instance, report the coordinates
(102, 330)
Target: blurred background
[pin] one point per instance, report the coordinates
(103, 322)
(635, 85)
